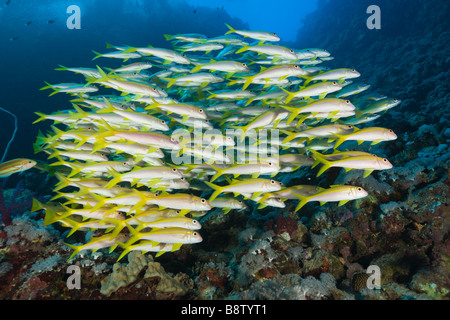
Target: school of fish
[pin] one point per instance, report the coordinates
(166, 135)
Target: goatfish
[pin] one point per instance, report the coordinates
(183, 109)
(198, 79)
(378, 106)
(166, 235)
(15, 166)
(227, 204)
(148, 246)
(158, 223)
(336, 74)
(291, 193)
(276, 72)
(224, 66)
(94, 167)
(278, 52)
(247, 169)
(74, 89)
(182, 201)
(374, 134)
(97, 243)
(330, 105)
(320, 89)
(342, 194)
(352, 90)
(269, 117)
(330, 130)
(257, 35)
(255, 186)
(206, 47)
(117, 55)
(127, 86)
(368, 163)
(153, 173)
(167, 55)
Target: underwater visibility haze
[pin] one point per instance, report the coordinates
(225, 150)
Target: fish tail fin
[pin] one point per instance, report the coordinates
(308, 79)
(320, 159)
(232, 30)
(48, 86)
(97, 55)
(196, 68)
(303, 200)
(290, 96)
(51, 216)
(171, 81)
(79, 114)
(115, 180)
(37, 205)
(232, 82)
(358, 114)
(61, 68)
(248, 81)
(63, 181)
(168, 37)
(42, 117)
(217, 190)
(293, 112)
(250, 100)
(243, 129)
(244, 48)
(104, 76)
(100, 202)
(290, 135)
(76, 250)
(41, 140)
(127, 249)
(219, 172)
(120, 225)
(340, 140)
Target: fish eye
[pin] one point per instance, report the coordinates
(194, 221)
(390, 130)
(291, 51)
(347, 101)
(174, 170)
(200, 110)
(334, 83)
(182, 179)
(384, 160)
(274, 34)
(184, 55)
(194, 234)
(272, 181)
(353, 70)
(178, 211)
(350, 126)
(244, 65)
(163, 122)
(296, 67)
(270, 164)
(203, 201)
(172, 139)
(359, 189)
